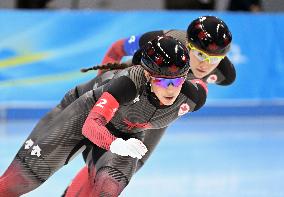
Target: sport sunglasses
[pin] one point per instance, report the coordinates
(165, 82)
(202, 56)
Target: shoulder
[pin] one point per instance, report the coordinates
(135, 74)
(196, 91)
(177, 34)
(224, 74)
(126, 84)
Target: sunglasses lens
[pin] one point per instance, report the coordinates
(164, 82)
(215, 60)
(201, 56)
(177, 81)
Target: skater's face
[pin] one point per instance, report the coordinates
(202, 63)
(166, 90)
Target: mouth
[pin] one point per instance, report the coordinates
(169, 98)
(200, 70)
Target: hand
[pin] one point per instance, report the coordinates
(131, 147)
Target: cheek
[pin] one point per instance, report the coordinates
(213, 66)
(193, 61)
(159, 93)
(178, 90)
(156, 89)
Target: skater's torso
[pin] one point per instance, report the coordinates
(144, 110)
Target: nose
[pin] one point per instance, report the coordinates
(204, 64)
(170, 89)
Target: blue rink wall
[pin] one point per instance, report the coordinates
(42, 52)
(233, 147)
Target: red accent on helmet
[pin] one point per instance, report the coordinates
(173, 69)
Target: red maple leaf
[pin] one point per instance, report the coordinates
(201, 35)
(131, 125)
(212, 46)
(159, 60)
(173, 68)
(184, 108)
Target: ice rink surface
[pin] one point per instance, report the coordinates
(198, 157)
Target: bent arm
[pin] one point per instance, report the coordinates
(196, 91)
(128, 46)
(225, 73)
(120, 91)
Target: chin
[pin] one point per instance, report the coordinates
(199, 75)
(168, 102)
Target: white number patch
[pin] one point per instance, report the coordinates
(131, 39)
(101, 103)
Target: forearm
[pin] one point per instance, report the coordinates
(226, 72)
(94, 127)
(120, 91)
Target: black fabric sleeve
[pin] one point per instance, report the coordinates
(76, 92)
(123, 89)
(196, 93)
(68, 98)
(228, 71)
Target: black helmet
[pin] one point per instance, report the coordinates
(165, 57)
(210, 34)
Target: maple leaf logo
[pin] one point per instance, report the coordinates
(173, 68)
(184, 108)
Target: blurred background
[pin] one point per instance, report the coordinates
(233, 147)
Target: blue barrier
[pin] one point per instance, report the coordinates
(22, 113)
(41, 53)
